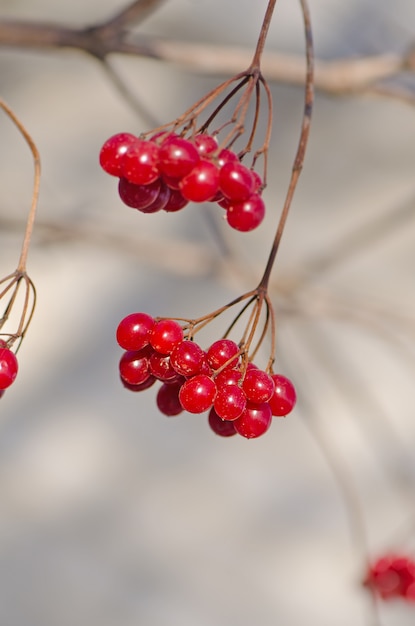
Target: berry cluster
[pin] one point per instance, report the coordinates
(392, 577)
(8, 367)
(168, 171)
(240, 397)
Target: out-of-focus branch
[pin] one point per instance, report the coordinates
(337, 77)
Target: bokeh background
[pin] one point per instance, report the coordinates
(110, 513)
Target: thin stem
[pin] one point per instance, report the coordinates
(299, 157)
(36, 161)
(256, 61)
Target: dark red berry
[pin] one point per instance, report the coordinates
(133, 332)
(247, 215)
(177, 157)
(220, 427)
(254, 421)
(236, 181)
(140, 162)
(113, 151)
(138, 196)
(161, 201)
(284, 397)
(8, 367)
(134, 366)
(197, 393)
(202, 183)
(166, 334)
(142, 386)
(176, 201)
(168, 401)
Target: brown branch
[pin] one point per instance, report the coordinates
(337, 77)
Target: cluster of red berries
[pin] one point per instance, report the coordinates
(392, 576)
(168, 171)
(8, 367)
(239, 399)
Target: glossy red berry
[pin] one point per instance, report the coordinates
(222, 351)
(228, 376)
(140, 387)
(113, 151)
(176, 201)
(161, 201)
(226, 156)
(133, 332)
(138, 196)
(187, 358)
(219, 426)
(247, 215)
(258, 386)
(254, 421)
(140, 162)
(236, 181)
(165, 336)
(230, 402)
(177, 156)
(134, 366)
(202, 183)
(168, 401)
(8, 367)
(161, 368)
(205, 144)
(197, 393)
(284, 397)
(392, 576)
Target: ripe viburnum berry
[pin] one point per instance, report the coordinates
(140, 162)
(230, 402)
(134, 366)
(254, 421)
(165, 336)
(284, 397)
(258, 386)
(222, 351)
(205, 144)
(138, 196)
(197, 393)
(219, 426)
(113, 151)
(133, 332)
(236, 181)
(177, 156)
(8, 367)
(392, 576)
(246, 215)
(168, 399)
(202, 183)
(187, 358)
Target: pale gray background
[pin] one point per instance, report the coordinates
(113, 515)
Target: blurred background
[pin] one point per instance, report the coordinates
(114, 515)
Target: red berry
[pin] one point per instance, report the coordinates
(176, 202)
(133, 332)
(226, 156)
(177, 157)
(140, 162)
(138, 196)
(8, 367)
(161, 368)
(228, 376)
(142, 386)
(134, 366)
(166, 334)
(247, 215)
(172, 183)
(254, 421)
(187, 358)
(113, 151)
(205, 144)
(202, 183)
(236, 181)
(284, 397)
(230, 402)
(222, 351)
(168, 401)
(258, 183)
(161, 201)
(258, 386)
(220, 427)
(197, 393)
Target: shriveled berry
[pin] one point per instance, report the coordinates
(177, 156)
(258, 386)
(247, 215)
(220, 427)
(202, 183)
(166, 334)
(284, 397)
(167, 400)
(113, 151)
(138, 196)
(8, 367)
(140, 162)
(254, 421)
(197, 393)
(133, 332)
(230, 402)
